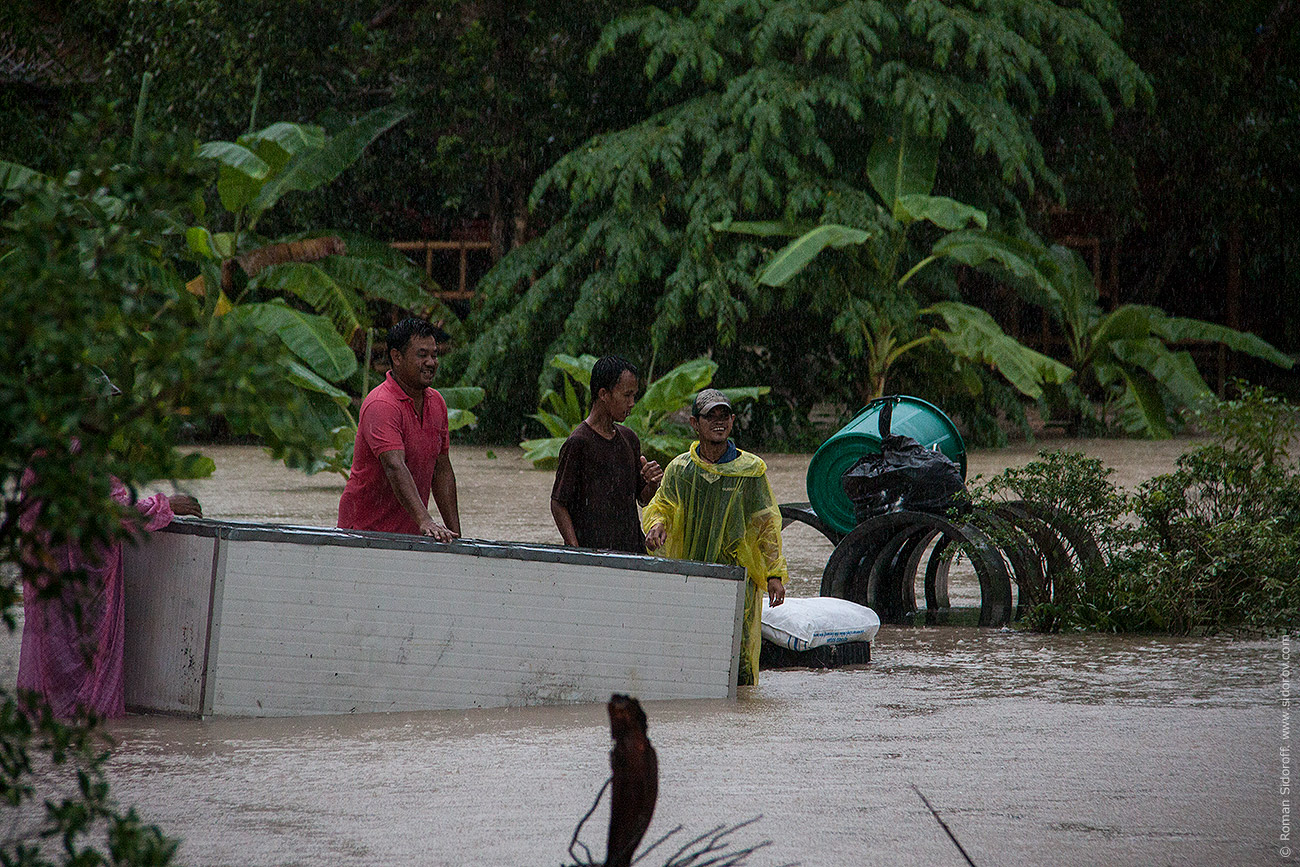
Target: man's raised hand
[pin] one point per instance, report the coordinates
(651, 472)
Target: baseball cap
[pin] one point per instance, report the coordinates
(707, 400)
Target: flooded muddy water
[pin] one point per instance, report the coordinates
(1033, 749)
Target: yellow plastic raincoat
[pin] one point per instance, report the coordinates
(723, 513)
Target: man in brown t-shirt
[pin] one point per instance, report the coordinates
(602, 474)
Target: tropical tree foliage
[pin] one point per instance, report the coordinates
(310, 291)
(327, 279)
(870, 294)
(655, 418)
(764, 110)
(497, 91)
(85, 281)
(1125, 359)
(1199, 193)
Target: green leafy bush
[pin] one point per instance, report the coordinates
(1217, 541)
(1212, 547)
(85, 282)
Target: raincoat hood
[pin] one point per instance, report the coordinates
(745, 464)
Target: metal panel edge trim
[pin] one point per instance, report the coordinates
(211, 641)
(526, 551)
(738, 636)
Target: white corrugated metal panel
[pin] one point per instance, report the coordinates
(168, 592)
(327, 629)
(304, 621)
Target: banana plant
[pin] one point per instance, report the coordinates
(310, 289)
(325, 271)
(874, 311)
(654, 418)
(1125, 358)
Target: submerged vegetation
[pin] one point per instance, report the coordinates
(1212, 547)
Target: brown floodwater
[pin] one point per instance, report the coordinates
(1033, 749)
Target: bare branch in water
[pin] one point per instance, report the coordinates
(713, 848)
(575, 842)
(634, 788)
(943, 825)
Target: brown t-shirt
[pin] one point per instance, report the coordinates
(598, 481)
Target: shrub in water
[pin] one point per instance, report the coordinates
(1213, 546)
(1216, 543)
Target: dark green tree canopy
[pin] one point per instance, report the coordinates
(767, 109)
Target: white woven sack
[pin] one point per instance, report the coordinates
(802, 624)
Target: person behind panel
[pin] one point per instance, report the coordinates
(602, 475)
(402, 451)
(715, 505)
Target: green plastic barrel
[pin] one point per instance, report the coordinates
(911, 416)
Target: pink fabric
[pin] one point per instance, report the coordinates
(388, 422)
(79, 668)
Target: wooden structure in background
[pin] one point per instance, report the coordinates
(462, 247)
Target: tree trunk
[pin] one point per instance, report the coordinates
(519, 199)
(496, 215)
(1232, 312)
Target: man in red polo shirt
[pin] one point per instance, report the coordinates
(403, 444)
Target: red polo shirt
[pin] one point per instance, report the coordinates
(388, 421)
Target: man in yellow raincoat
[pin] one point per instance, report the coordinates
(716, 505)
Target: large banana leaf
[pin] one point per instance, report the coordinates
(211, 246)
(1141, 408)
(1175, 371)
(1179, 329)
(13, 176)
(459, 418)
(675, 389)
(277, 143)
(976, 248)
(901, 164)
(795, 256)
(235, 156)
(462, 396)
(460, 399)
(663, 447)
(579, 368)
(310, 282)
(556, 425)
(400, 287)
(573, 407)
(1127, 322)
(745, 392)
(241, 174)
(312, 168)
(311, 338)
(242, 177)
(1072, 299)
(972, 334)
(303, 377)
(944, 212)
(543, 453)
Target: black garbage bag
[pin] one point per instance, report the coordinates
(904, 476)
